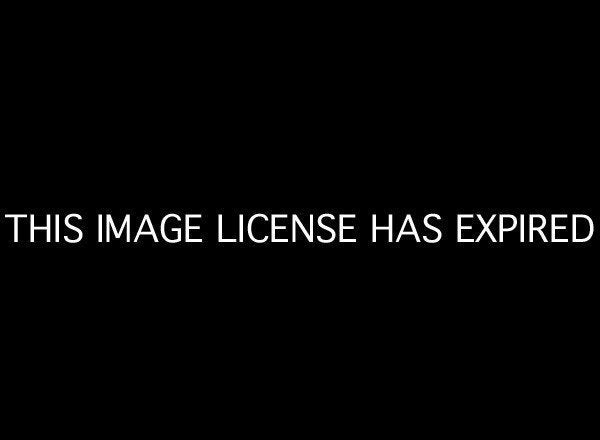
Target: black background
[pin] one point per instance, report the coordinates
(386, 112)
